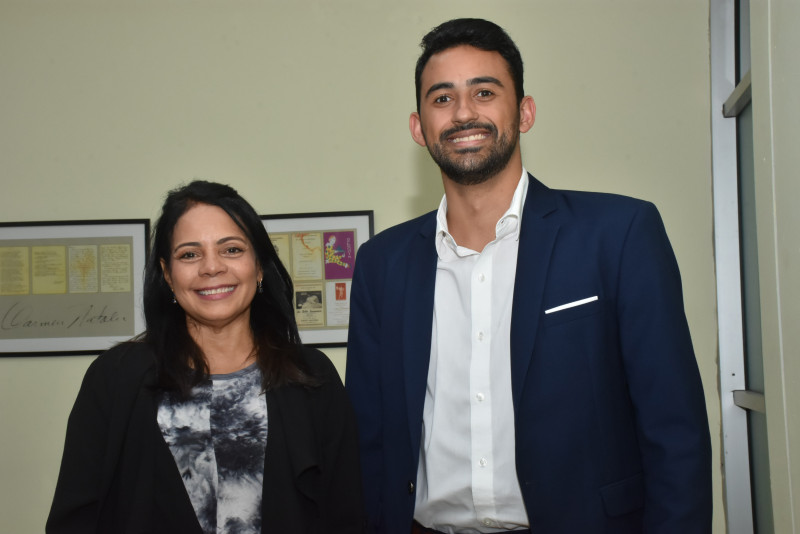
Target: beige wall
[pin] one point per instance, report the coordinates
(303, 106)
(776, 130)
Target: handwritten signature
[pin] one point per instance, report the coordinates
(20, 316)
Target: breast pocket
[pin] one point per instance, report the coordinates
(572, 310)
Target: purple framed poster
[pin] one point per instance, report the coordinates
(319, 252)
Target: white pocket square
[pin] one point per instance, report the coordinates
(571, 304)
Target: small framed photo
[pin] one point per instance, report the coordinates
(70, 287)
(319, 251)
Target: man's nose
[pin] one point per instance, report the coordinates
(464, 111)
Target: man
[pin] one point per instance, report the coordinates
(520, 360)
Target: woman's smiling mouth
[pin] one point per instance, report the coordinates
(216, 291)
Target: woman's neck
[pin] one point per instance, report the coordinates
(225, 349)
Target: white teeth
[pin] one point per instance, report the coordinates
(216, 291)
(469, 138)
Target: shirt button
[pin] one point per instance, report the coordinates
(488, 522)
(480, 397)
(480, 336)
(410, 488)
(481, 277)
(483, 462)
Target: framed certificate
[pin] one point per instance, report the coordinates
(70, 287)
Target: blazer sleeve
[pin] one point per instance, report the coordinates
(95, 434)
(77, 495)
(664, 382)
(363, 374)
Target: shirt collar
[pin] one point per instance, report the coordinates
(507, 227)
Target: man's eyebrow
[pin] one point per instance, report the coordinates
(484, 79)
(442, 85)
(472, 81)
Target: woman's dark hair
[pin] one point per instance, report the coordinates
(478, 33)
(180, 361)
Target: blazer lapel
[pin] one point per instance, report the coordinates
(169, 491)
(418, 322)
(536, 241)
(290, 418)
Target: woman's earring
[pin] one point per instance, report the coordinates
(260, 287)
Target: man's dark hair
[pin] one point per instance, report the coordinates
(478, 33)
(180, 361)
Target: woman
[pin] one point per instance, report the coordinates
(217, 419)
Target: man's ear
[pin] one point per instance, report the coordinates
(415, 125)
(527, 114)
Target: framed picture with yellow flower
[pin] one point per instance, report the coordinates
(319, 252)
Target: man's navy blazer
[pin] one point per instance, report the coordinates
(610, 419)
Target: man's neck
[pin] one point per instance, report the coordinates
(473, 210)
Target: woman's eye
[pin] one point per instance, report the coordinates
(187, 256)
(233, 250)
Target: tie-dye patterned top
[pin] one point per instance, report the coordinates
(218, 438)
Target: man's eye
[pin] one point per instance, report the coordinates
(484, 93)
(441, 99)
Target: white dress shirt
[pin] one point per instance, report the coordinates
(467, 479)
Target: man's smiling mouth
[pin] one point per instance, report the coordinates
(474, 137)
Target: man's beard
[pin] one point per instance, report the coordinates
(466, 170)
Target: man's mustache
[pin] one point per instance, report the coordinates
(468, 126)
